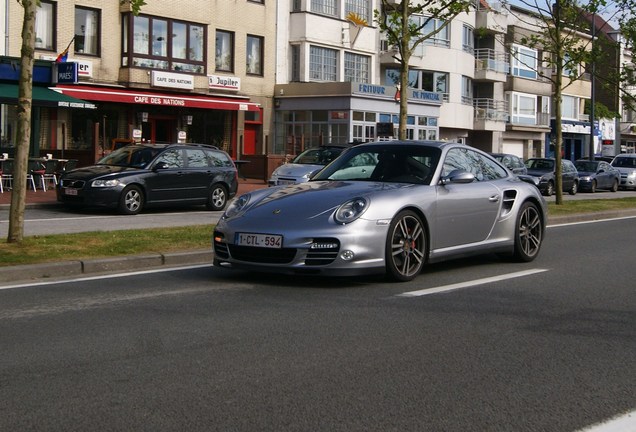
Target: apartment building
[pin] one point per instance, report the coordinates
(186, 70)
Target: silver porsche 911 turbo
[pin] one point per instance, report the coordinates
(385, 207)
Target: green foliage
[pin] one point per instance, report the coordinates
(135, 5)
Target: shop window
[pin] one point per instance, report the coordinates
(45, 21)
(254, 55)
(159, 43)
(87, 31)
(224, 57)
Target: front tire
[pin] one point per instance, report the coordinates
(217, 198)
(574, 189)
(131, 201)
(405, 248)
(593, 189)
(528, 233)
(614, 186)
(549, 191)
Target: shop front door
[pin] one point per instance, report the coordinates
(159, 129)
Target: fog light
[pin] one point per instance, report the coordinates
(347, 255)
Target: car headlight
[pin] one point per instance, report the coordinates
(236, 206)
(586, 178)
(631, 174)
(105, 183)
(351, 210)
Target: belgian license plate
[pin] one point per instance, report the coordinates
(69, 191)
(259, 240)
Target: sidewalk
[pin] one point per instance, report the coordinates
(40, 197)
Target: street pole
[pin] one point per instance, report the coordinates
(592, 96)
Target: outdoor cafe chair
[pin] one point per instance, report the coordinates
(7, 175)
(46, 173)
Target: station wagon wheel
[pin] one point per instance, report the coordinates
(131, 201)
(550, 189)
(405, 247)
(217, 198)
(528, 233)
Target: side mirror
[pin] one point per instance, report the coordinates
(458, 176)
(160, 166)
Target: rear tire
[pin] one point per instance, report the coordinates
(528, 233)
(131, 201)
(405, 248)
(217, 198)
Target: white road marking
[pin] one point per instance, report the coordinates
(556, 225)
(451, 287)
(622, 423)
(103, 276)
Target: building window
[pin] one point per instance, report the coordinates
(45, 18)
(570, 107)
(523, 108)
(435, 81)
(362, 8)
(323, 64)
(87, 31)
(254, 55)
(295, 63)
(468, 39)
(441, 38)
(356, 67)
(524, 62)
(325, 7)
(160, 43)
(467, 90)
(224, 57)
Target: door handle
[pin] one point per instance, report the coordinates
(494, 198)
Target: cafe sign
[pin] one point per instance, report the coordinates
(65, 73)
(172, 80)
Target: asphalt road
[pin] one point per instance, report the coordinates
(56, 219)
(472, 345)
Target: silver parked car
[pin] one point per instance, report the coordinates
(385, 207)
(306, 164)
(626, 164)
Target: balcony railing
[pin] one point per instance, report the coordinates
(490, 109)
(539, 119)
(487, 59)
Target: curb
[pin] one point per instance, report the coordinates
(33, 272)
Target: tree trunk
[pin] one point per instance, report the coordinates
(23, 138)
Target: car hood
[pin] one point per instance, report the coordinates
(313, 199)
(538, 173)
(296, 170)
(94, 171)
(587, 173)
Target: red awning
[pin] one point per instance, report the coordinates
(104, 94)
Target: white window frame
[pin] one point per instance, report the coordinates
(323, 63)
(357, 67)
(572, 104)
(517, 114)
(524, 62)
(325, 7)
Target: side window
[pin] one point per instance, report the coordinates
(472, 162)
(196, 158)
(173, 158)
(491, 170)
(219, 159)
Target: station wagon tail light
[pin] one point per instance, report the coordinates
(105, 183)
(351, 210)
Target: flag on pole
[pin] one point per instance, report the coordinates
(61, 57)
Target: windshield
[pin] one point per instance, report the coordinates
(388, 163)
(584, 166)
(624, 162)
(540, 164)
(131, 156)
(317, 156)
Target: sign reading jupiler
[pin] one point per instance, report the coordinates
(224, 82)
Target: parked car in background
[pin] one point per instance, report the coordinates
(597, 174)
(542, 171)
(512, 162)
(306, 164)
(626, 164)
(142, 175)
(385, 207)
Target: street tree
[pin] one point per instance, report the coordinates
(25, 99)
(396, 21)
(562, 32)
